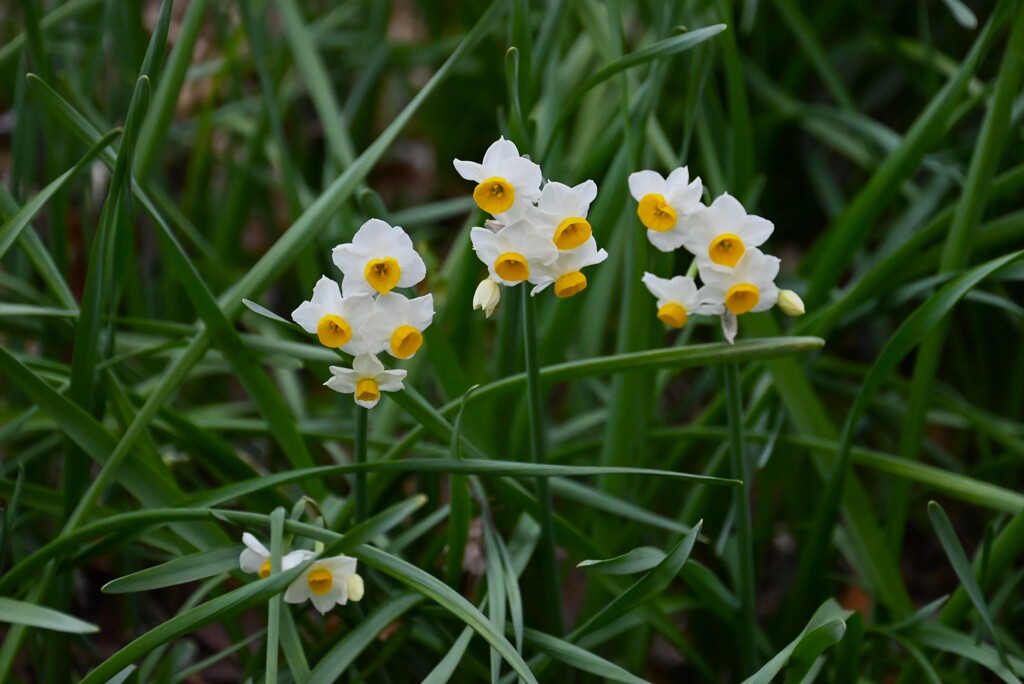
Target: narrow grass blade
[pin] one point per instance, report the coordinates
(189, 568)
(32, 615)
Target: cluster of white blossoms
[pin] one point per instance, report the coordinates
(365, 317)
(538, 235)
(738, 277)
(326, 583)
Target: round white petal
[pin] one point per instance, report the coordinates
(298, 591)
(471, 171)
(499, 151)
(669, 240)
(342, 380)
(391, 380)
(644, 183)
(367, 366)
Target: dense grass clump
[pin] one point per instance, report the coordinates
(565, 489)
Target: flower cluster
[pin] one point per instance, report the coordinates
(738, 277)
(538, 235)
(327, 582)
(365, 317)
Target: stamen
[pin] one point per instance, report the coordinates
(570, 284)
(572, 232)
(742, 298)
(265, 569)
(673, 314)
(406, 341)
(512, 266)
(367, 390)
(382, 274)
(655, 213)
(320, 581)
(333, 331)
(494, 195)
(726, 249)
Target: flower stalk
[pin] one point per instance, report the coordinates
(359, 456)
(744, 538)
(551, 593)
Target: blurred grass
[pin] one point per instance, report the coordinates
(136, 391)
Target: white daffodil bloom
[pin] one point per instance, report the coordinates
(513, 252)
(749, 287)
(790, 303)
(366, 380)
(401, 322)
(487, 296)
(679, 298)
(721, 234)
(337, 322)
(326, 583)
(379, 259)
(566, 272)
(561, 213)
(507, 184)
(255, 557)
(667, 205)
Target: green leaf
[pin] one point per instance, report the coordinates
(640, 559)
(825, 628)
(579, 658)
(341, 656)
(189, 568)
(21, 613)
(650, 585)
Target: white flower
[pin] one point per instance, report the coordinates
(790, 303)
(724, 231)
(378, 259)
(561, 213)
(507, 183)
(667, 205)
(566, 271)
(512, 252)
(400, 322)
(487, 296)
(750, 286)
(366, 380)
(337, 322)
(678, 298)
(326, 583)
(256, 557)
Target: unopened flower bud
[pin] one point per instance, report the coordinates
(790, 303)
(356, 589)
(487, 296)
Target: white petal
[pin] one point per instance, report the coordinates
(326, 292)
(644, 183)
(391, 381)
(367, 365)
(342, 380)
(413, 270)
(422, 309)
(307, 315)
(375, 237)
(769, 296)
(323, 602)
(350, 260)
(499, 151)
(472, 171)
(756, 230)
(298, 591)
(667, 241)
(253, 543)
(250, 561)
(525, 177)
(368, 404)
(340, 565)
(487, 245)
(678, 179)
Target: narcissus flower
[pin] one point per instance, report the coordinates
(337, 322)
(790, 303)
(487, 296)
(566, 272)
(366, 380)
(379, 259)
(561, 213)
(749, 287)
(678, 298)
(326, 583)
(256, 557)
(400, 322)
(507, 183)
(722, 233)
(666, 205)
(512, 252)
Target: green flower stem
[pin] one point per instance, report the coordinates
(359, 449)
(274, 605)
(745, 545)
(551, 593)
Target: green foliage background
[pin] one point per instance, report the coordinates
(148, 418)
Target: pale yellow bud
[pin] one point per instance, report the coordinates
(487, 296)
(356, 589)
(790, 303)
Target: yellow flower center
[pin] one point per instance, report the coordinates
(572, 232)
(333, 331)
(673, 314)
(655, 213)
(367, 390)
(382, 274)
(406, 341)
(726, 249)
(742, 298)
(265, 569)
(570, 284)
(494, 195)
(512, 266)
(320, 581)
